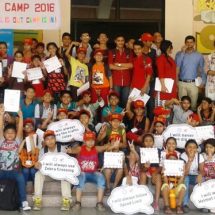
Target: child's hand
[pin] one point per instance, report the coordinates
(199, 179)
(20, 114)
(147, 165)
(38, 165)
(129, 180)
(1, 109)
(199, 108)
(69, 150)
(50, 114)
(131, 145)
(116, 144)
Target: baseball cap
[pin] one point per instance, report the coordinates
(28, 41)
(81, 49)
(98, 51)
(28, 121)
(48, 133)
(160, 119)
(161, 111)
(195, 117)
(86, 112)
(89, 135)
(86, 92)
(113, 93)
(46, 91)
(146, 37)
(62, 110)
(116, 116)
(138, 104)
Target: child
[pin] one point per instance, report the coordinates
(28, 158)
(50, 147)
(45, 110)
(10, 139)
(193, 119)
(206, 112)
(151, 170)
(112, 107)
(88, 161)
(138, 123)
(84, 117)
(28, 103)
(40, 48)
(175, 184)
(27, 43)
(181, 109)
(209, 164)
(193, 168)
(101, 78)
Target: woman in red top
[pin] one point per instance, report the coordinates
(166, 67)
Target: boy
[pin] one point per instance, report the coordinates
(50, 147)
(40, 50)
(10, 139)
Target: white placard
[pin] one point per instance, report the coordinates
(60, 166)
(18, 70)
(204, 133)
(131, 200)
(168, 84)
(35, 15)
(113, 160)
(67, 130)
(203, 196)
(52, 64)
(149, 155)
(198, 81)
(40, 134)
(159, 141)
(173, 167)
(136, 95)
(1, 70)
(4, 63)
(28, 142)
(12, 100)
(83, 88)
(34, 74)
(182, 133)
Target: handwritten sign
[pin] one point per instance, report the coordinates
(136, 95)
(113, 160)
(52, 64)
(60, 166)
(131, 200)
(149, 155)
(182, 133)
(204, 133)
(11, 100)
(204, 196)
(25, 14)
(173, 167)
(67, 130)
(34, 74)
(18, 70)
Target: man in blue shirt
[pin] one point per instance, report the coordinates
(190, 67)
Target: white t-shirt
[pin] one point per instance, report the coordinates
(194, 165)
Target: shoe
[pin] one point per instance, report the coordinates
(65, 205)
(100, 207)
(25, 206)
(156, 208)
(167, 210)
(186, 209)
(205, 210)
(37, 204)
(179, 210)
(107, 192)
(77, 206)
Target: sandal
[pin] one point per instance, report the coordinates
(167, 210)
(107, 192)
(179, 210)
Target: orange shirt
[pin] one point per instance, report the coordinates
(99, 78)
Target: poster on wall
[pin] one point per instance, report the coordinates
(7, 36)
(25, 14)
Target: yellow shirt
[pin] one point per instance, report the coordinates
(79, 72)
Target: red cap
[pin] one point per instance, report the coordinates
(86, 92)
(64, 110)
(81, 49)
(114, 137)
(171, 154)
(195, 117)
(98, 51)
(160, 119)
(89, 135)
(138, 104)
(146, 37)
(113, 93)
(161, 111)
(28, 121)
(28, 41)
(46, 91)
(116, 116)
(48, 133)
(86, 112)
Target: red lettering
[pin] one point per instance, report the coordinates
(45, 7)
(16, 7)
(26, 7)
(7, 6)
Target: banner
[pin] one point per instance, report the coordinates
(34, 14)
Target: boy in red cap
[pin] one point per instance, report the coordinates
(27, 43)
(87, 156)
(50, 146)
(101, 78)
(138, 123)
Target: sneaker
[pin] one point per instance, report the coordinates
(186, 209)
(65, 206)
(156, 208)
(77, 206)
(25, 206)
(37, 204)
(100, 207)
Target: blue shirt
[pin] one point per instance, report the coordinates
(108, 109)
(28, 111)
(191, 65)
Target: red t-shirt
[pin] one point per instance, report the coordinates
(167, 69)
(142, 68)
(88, 160)
(120, 77)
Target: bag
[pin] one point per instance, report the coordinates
(9, 197)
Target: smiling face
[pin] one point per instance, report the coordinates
(120, 42)
(171, 145)
(10, 134)
(50, 141)
(66, 40)
(66, 99)
(148, 142)
(210, 149)
(138, 50)
(3, 49)
(191, 149)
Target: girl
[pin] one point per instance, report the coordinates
(27, 43)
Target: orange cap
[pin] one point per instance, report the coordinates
(48, 133)
(28, 41)
(195, 117)
(160, 119)
(28, 121)
(146, 37)
(116, 116)
(138, 104)
(86, 112)
(161, 111)
(62, 110)
(89, 135)
(81, 49)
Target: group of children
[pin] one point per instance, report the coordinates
(108, 128)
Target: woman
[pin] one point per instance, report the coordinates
(166, 67)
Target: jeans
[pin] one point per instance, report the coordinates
(19, 178)
(29, 174)
(93, 177)
(123, 95)
(189, 180)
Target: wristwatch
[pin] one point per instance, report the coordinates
(119, 65)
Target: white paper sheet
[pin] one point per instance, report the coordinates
(4, 63)
(52, 64)
(149, 155)
(28, 142)
(40, 134)
(18, 69)
(173, 167)
(34, 74)
(113, 160)
(83, 88)
(11, 100)
(1, 70)
(168, 84)
(136, 95)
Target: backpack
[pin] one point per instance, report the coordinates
(9, 197)
(58, 148)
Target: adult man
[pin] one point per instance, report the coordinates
(120, 62)
(190, 66)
